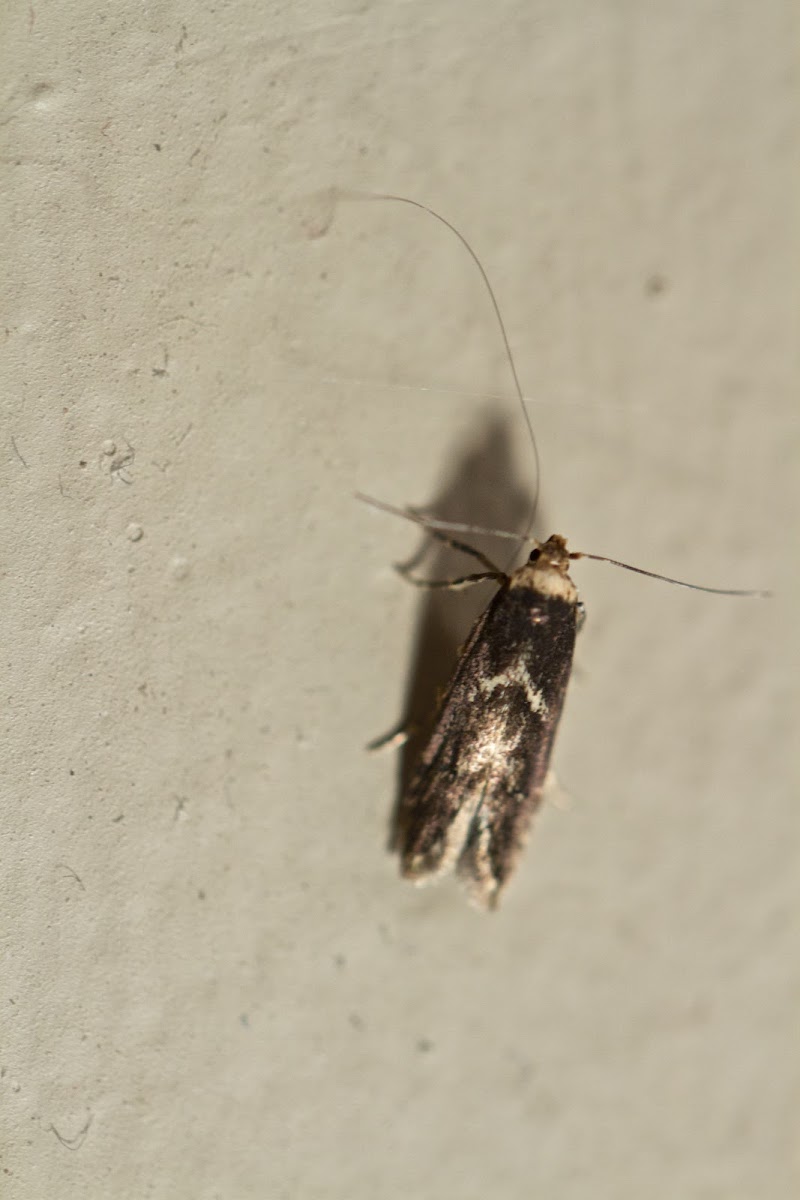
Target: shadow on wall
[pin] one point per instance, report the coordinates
(479, 489)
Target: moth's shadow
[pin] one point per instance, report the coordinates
(479, 489)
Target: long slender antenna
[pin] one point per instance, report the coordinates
(431, 212)
(453, 526)
(457, 527)
(668, 578)
(422, 518)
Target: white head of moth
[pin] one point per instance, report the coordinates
(480, 777)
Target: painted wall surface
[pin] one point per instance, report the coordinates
(212, 982)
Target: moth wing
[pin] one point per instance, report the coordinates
(481, 776)
(449, 782)
(499, 829)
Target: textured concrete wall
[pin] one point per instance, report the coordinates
(212, 983)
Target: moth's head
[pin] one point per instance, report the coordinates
(553, 554)
(547, 571)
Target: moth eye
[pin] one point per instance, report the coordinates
(534, 554)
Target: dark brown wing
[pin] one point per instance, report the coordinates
(481, 775)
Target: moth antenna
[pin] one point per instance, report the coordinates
(456, 527)
(490, 290)
(696, 587)
(423, 519)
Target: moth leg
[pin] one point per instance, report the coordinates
(412, 563)
(390, 741)
(440, 535)
(453, 584)
(465, 549)
(491, 572)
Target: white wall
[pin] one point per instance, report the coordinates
(213, 983)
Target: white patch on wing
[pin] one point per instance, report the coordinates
(519, 675)
(477, 869)
(456, 836)
(490, 752)
(494, 744)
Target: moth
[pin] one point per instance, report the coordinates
(481, 776)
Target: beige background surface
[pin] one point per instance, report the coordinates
(212, 982)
